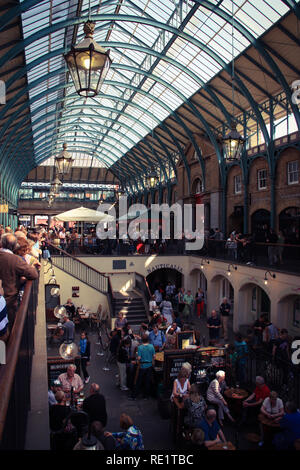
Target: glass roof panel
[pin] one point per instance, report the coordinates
(198, 45)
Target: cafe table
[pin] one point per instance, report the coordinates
(86, 315)
(270, 428)
(222, 446)
(235, 398)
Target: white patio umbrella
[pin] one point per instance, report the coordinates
(83, 214)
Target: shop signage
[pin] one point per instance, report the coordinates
(165, 266)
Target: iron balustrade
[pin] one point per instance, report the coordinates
(282, 257)
(15, 375)
(281, 376)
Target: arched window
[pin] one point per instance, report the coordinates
(198, 186)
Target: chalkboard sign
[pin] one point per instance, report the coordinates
(57, 366)
(204, 362)
(173, 361)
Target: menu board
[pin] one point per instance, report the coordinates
(200, 359)
(173, 361)
(57, 366)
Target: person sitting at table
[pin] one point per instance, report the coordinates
(157, 338)
(214, 395)
(70, 379)
(212, 431)
(70, 308)
(130, 438)
(55, 386)
(95, 405)
(255, 400)
(197, 441)
(289, 427)
(170, 340)
(58, 412)
(195, 405)
(181, 386)
(188, 368)
(273, 409)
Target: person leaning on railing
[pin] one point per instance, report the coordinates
(12, 268)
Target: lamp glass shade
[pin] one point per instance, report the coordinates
(68, 350)
(88, 64)
(64, 161)
(152, 179)
(54, 291)
(60, 312)
(233, 144)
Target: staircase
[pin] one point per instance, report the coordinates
(132, 305)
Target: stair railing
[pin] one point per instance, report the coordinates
(83, 272)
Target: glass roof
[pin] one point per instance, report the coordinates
(162, 51)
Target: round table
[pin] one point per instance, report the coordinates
(235, 397)
(222, 446)
(270, 428)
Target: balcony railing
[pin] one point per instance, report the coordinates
(281, 257)
(15, 375)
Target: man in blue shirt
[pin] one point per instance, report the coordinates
(145, 353)
(290, 426)
(212, 431)
(157, 338)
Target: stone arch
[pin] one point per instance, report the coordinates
(252, 301)
(286, 316)
(197, 278)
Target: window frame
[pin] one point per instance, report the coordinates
(259, 179)
(289, 182)
(235, 185)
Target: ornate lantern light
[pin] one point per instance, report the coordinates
(63, 162)
(233, 144)
(88, 63)
(56, 183)
(152, 179)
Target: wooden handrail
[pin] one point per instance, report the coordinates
(76, 259)
(110, 291)
(7, 371)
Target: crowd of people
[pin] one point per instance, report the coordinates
(19, 261)
(171, 310)
(236, 246)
